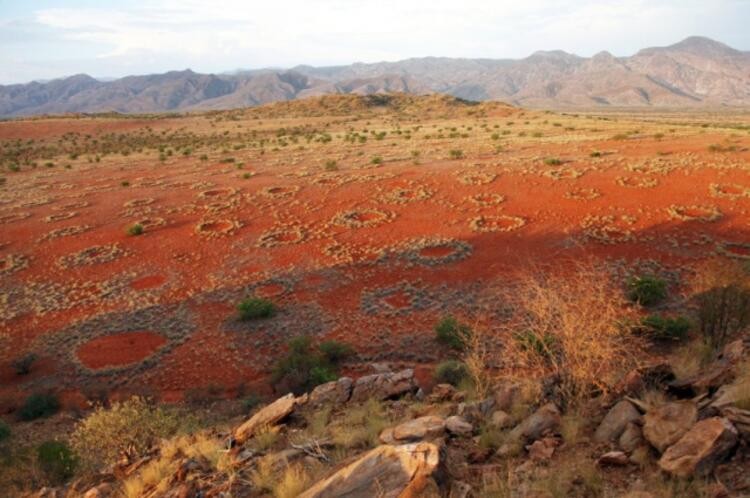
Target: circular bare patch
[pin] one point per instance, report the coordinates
(119, 350)
(475, 177)
(736, 250)
(11, 217)
(92, 255)
(406, 195)
(360, 218)
(563, 174)
(218, 193)
(582, 194)
(500, 223)
(636, 182)
(135, 203)
(149, 223)
(280, 191)
(217, 228)
(705, 214)
(281, 236)
(608, 229)
(60, 216)
(729, 191)
(434, 251)
(486, 200)
(65, 232)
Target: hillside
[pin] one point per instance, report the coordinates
(695, 72)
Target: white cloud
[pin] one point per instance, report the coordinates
(225, 34)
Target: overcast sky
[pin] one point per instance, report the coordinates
(44, 39)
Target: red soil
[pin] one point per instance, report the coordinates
(119, 349)
(332, 267)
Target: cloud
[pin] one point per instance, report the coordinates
(224, 34)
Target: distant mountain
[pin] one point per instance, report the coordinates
(694, 72)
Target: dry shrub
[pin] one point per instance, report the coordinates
(571, 326)
(721, 291)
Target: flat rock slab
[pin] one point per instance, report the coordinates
(384, 385)
(665, 425)
(387, 471)
(266, 416)
(707, 443)
(615, 422)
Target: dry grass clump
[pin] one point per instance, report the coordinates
(360, 426)
(572, 327)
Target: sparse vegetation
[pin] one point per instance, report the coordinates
(38, 406)
(647, 290)
(254, 308)
(452, 333)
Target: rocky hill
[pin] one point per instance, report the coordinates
(694, 72)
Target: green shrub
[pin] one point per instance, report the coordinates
(136, 229)
(304, 366)
(647, 290)
(666, 328)
(331, 165)
(451, 372)
(452, 333)
(57, 460)
(335, 351)
(377, 160)
(552, 161)
(255, 307)
(22, 365)
(456, 153)
(4, 431)
(39, 405)
(133, 425)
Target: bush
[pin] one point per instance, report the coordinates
(451, 372)
(22, 365)
(552, 161)
(57, 460)
(254, 307)
(569, 327)
(456, 153)
(4, 431)
(647, 290)
(452, 333)
(38, 406)
(666, 328)
(131, 426)
(304, 367)
(135, 230)
(722, 297)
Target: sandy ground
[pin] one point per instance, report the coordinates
(371, 252)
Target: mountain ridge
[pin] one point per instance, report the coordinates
(696, 71)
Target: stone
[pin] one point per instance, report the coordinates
(459, 489)
(101, 491)
(706, 444)
(506, 395)
(631, 438)
(500, 419)
(542, 450)
(665, 425)
(476, 411)
(458, 426)
(444, 392)
(615, 421)
(546, 418)
(427, 427)
(384, 385)
(387, 471)
(613, 458)
(733, 351)
(643, 378)
(336, 392)
(266, 416)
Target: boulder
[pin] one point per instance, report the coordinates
(500, 419)
(700, 449)
(476, 411)
(266, 416)
(427, 427)
(545, 419)
(336, 392)
(458, 426)
(614, 459)
(631, 438)
(384, 385)
(505, 395)
(386, 471)
(542, 450)
(445, 392)
(616, 421)
(665, 425)
(643, 378)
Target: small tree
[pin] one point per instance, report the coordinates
(39, 405)
(647, 290)
(304, 366)
(254, 307)
(453, 333)
(452, 372)
(135, 230)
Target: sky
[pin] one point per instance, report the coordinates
(45, 39)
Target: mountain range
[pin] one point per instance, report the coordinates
(694, 72)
